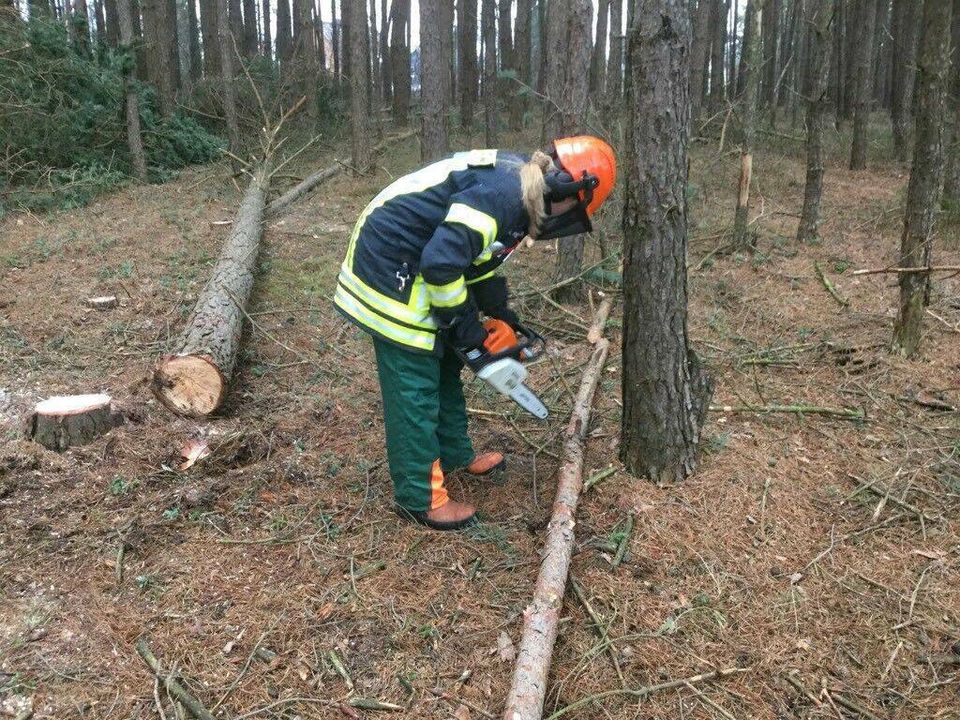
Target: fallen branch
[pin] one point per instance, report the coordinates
(597, 626)
(885, 493)
(173, 686)
(624, 542)
(529, 686)
(830, 287)
(311, 182)
(648, 690)
(842, 413)
(908, 270)
(599, 321)
(193, 381)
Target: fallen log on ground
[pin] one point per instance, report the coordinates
(172, 685)
(309, 184)
(67, 420)
(193, 380)
(540, 619)
(599, 321)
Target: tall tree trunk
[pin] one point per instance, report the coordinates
(488, 32)
(184, 61)
(666, 392)
(433, 95)
(335, 35)
(225, 43)
(598, 64)
(99, 16)
(699, 55)
(864, 84)
(808, 230)
(851, 31)
(266, 41)
(750, 37)
(717, 47)
(951, 181)
(211, 44)
(732, 59)
(79, 24)
(134, 141)
(881, 52)
(373, 84)
(789, 54)
(345, 59)
(112, 22)
(385, 78)
(906, 37)
(522, 48)
(306, 52)
(770, 32)
(447, 56)
(196, 66)
(250, 40)
(568, 49)
(538, 53)
(160, 32)
(615, 66)
(925, 175)
(284, 31)
(467, 43)
(359, 85)
(748, 112)
(400, 59)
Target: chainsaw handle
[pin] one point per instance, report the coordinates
(530, 346)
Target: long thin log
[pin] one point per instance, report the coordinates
(599, 321)
(843, 413)
(193, 706)
(540, 619)
(830, 287)
(309, 184)
(908, 270)
(193, 380)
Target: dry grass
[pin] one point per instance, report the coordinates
(768, 559)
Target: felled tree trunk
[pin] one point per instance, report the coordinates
(193, 380)
(67, 420)
(540, 619)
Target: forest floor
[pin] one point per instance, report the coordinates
(818, 555)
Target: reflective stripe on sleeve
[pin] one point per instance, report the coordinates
(478, 221)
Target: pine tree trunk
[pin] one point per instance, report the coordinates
(666, 392)
(266, 46)
(433, 93)
(864, 84)
(906, 37)
(447, 69)
(467, 43)
(400, 60)
(359, 126)
(770, 32)
(488, 32)
(615, 66)
(523, 48)
(373, 80)
(951, 181)
(236, 25)
(732, 59)
(335, 35)
(79, 27)
(808, 230)
(284, 31)
(132, 103)
(112, 22)
(741, 236)
(749, 39)
(385, 78)
(881, 54)
(196, 66)
(159, 31)
(925, 175)
(184, 61)
(699, 54)
(212, 66)
(599, 61)
(717, 47)
(319, 38)
(250, 39)
(225, 44)
(306, 53)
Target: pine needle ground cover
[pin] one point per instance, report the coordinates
(810, 551)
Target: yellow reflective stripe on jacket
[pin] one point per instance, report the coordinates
(485, 276)
(449, 295)
(374, 321)
(476, 220)
(416, 312)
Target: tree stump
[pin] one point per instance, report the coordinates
(63, 421)
(193, 380)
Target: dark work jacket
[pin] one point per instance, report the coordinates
(423, 241)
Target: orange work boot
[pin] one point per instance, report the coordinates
(452, 515)
(489, 463)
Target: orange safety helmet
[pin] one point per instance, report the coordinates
(588, 155)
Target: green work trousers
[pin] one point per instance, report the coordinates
(426, 422)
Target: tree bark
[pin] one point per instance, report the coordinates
(699, 57)
(359, 112)
(598, 64)
(615, 66)
(193, 381)
(132, 103)
(111, 22)
(160, 32)
(306, 52)
(906, 37)
(541, 618)
(183, 47)
(488, 31)
(250, 40)
(284, 31)
(433, 92)
(750, 37)
(717, 46)
(193, 28)
(951, 181)
(666, 392)
(400, 59)
(266, 40)
(235, 10)
(385, 76)
(225, 44)
(808, 230)
(753, 60)
(79, 27)
(467, 43)
(864, 84)
(373, 75)
(925, 175)
(212, 66)
(770, 31)
(335, 35)
(522, 48)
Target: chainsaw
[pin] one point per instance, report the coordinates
(499, 363)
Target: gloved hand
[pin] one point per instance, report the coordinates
(465, 331)
(492, 297)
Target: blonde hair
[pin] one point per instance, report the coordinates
(533, 188)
